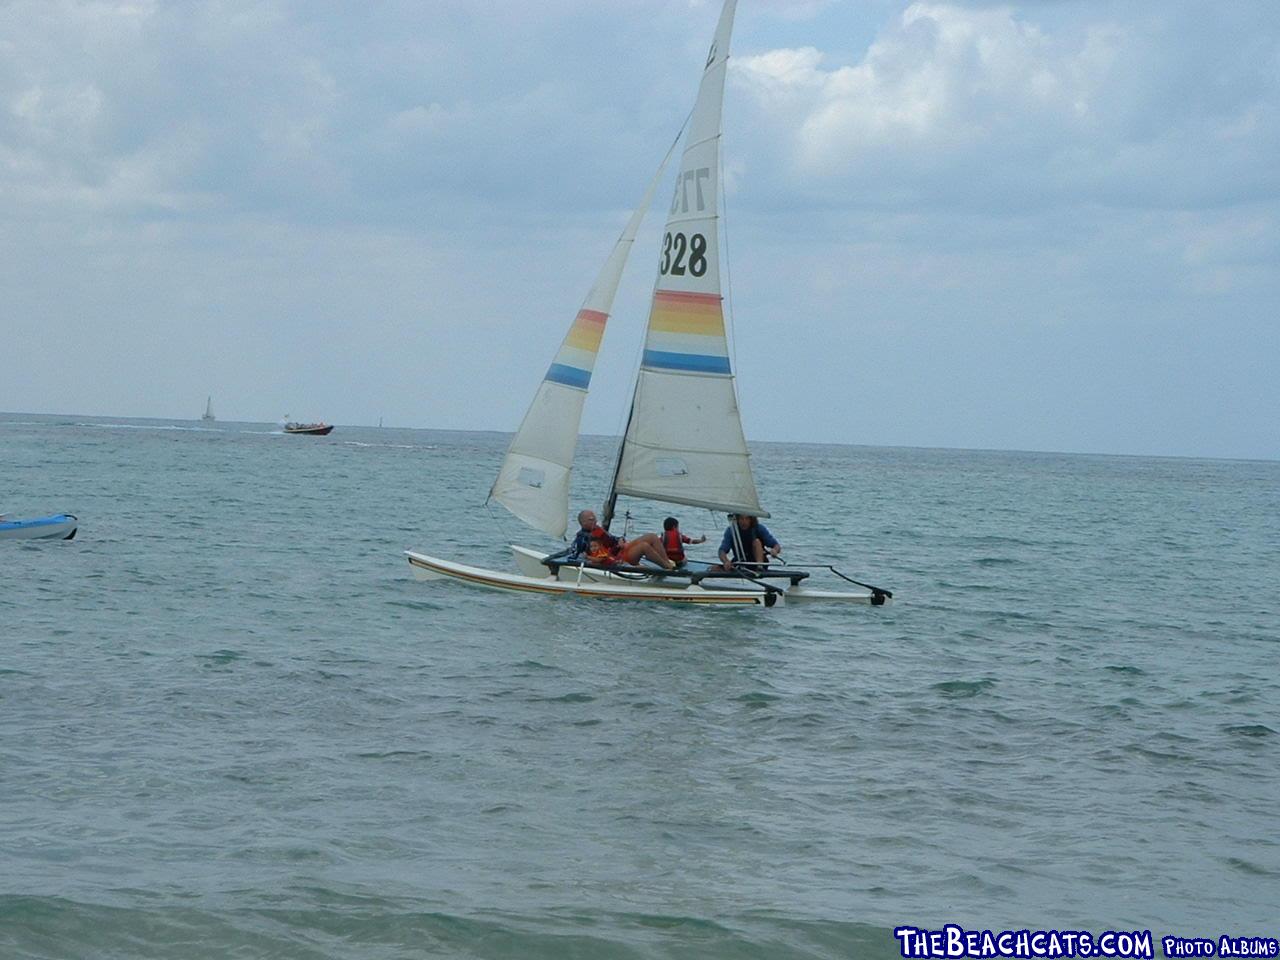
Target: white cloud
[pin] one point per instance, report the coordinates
(959, 104)
(49, 113)
(941, 78)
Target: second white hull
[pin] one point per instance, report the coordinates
(530, 563)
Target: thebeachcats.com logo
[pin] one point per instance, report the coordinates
(953, 942)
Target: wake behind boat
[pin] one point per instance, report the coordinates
(60, 526)
(684, 442)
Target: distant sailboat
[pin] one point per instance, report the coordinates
(208, 411)
(684, 442)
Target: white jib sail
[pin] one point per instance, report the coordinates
(684, 441)
(533, 482)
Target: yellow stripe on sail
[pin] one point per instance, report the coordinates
(587, 331)
(701, 319)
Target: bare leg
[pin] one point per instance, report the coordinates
(646, 545)
(757, 551)
(658, 555)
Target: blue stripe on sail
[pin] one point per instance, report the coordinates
(569, 376)
(695, 362)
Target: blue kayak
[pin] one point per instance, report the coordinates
(61, 526)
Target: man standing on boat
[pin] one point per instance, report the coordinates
(595, 544)
(747, 539)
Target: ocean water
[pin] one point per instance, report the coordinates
(232, 725)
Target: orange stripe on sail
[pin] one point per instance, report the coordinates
(707, 300)
(692, 313)
(587, 331)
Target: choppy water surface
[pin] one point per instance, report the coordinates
(231, 724)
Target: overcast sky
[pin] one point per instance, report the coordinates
(1037, 225)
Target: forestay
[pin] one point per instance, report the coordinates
(533, 482)
(684, 441)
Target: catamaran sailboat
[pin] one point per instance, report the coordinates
(684, 442)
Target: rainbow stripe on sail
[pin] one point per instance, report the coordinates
(577, 357)
(686, 334)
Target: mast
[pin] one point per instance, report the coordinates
(611, 502)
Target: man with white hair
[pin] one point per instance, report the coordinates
(594, 544)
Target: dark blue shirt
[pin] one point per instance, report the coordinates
(578, 549)
(749, 536)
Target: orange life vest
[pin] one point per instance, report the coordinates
(672, 541)
(603, 547)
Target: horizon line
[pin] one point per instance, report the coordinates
(606, 436)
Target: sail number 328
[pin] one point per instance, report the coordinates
(676, 247)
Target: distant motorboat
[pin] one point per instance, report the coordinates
(208, 411)
(60, 526)
(310, 429)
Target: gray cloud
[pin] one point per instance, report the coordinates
(1039, 224)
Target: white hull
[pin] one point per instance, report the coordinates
(62, 527)
(605, 588)
(534, 577)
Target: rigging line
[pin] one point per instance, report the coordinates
(713, 539)
(502, 531)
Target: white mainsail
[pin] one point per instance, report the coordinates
(208, 410)
(684, 441)
(533, 482)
